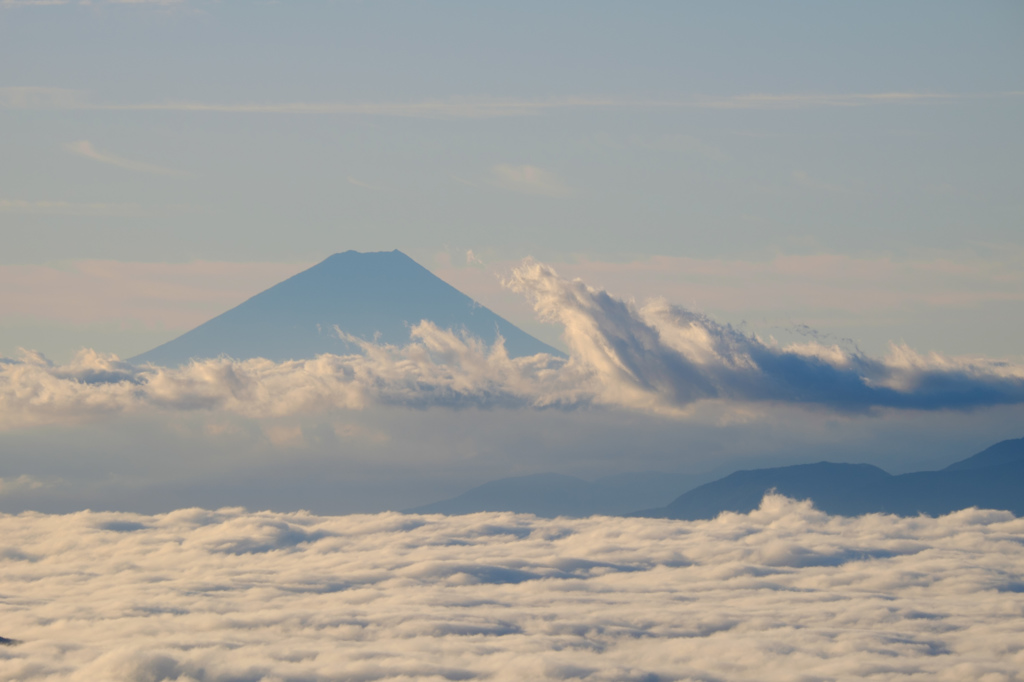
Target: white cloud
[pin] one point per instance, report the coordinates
(215, 595)
(529, 180)
(658, 359)
(86, 149)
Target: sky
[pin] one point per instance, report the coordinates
(838, 182)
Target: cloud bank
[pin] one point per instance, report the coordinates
(203, 596)
(657, 358)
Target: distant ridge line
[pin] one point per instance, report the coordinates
(991, 479)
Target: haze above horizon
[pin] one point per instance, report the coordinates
(824, 198)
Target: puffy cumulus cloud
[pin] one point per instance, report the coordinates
(656, 358)
(437, 368)
(665, 357)
(196, 595)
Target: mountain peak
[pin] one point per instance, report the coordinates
(374, 296)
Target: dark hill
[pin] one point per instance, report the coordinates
(368, 295)
(835, 488)
(1005, 452)
(992, 479)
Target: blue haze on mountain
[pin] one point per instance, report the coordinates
(991, 479)
(552, 495)
(1005, 452)
(373, 296)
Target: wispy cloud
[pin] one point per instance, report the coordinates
(68, 208)
(483, 107)
(45, 3)
(33, 97)
(32, 3)
(85, 148)
(157, 295)
(529, 180)
(20, 484)
(806, 100)
(365, 185)
(145, 2)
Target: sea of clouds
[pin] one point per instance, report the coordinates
(784, 593)
(656, 358)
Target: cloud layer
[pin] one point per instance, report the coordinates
(658, 358)
(198, 595)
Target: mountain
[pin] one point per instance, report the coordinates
(368, 295)
(991, 479)
(1005, 452)
(551, 495)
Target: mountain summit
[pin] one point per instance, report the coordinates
(373, 296)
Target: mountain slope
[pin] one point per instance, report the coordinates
(835, 488)
(368, 295)
(1004, 452)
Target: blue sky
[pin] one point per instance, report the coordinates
(240, 132)
(843, 172)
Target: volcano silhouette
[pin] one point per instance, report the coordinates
(372, 296)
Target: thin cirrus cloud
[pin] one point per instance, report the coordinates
(230, 594)
(32, 3)
(69, 208)
(657, 359)
(364, 185)
(165, 295)
(85, 148)
(38, 97)
(528, 179)
(46, 3)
